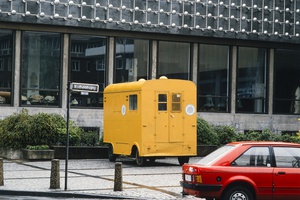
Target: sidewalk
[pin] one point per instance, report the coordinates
(93, 179)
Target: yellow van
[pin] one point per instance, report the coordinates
(150, 119)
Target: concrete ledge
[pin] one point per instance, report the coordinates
(38, 154)
(81, 152)
(13, 154)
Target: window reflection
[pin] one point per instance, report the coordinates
(213, 76)
(6, 53)
(132, 59)
(41, 66)
(251, 80)
(174, 60)
(88, 65)
(287, 82)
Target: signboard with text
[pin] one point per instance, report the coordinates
(84, 87)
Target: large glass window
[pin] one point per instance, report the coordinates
(41, 67)
(287, 82)
(251, 80)
(132, 59)
(88, 65)
(6, 56)
(213, 78)
(174, 60)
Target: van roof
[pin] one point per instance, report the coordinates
(138, 85)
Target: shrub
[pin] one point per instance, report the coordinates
(21, 129)
(37, 147)
(225, 134)
(206, 134)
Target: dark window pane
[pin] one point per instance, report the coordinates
(162, 102)
(133, 102)
(132, 59)
(213, 78)
(251, 80)
(174, 60)
(88, 65)
(41, 68)
(6, 53)
(287, 82)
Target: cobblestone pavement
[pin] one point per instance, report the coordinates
(95, 179)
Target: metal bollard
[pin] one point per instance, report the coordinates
(118, 186)
(1, 172)
(55, 177)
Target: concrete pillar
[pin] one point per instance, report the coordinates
(118, 177)
(111, 60)
(233, 80)
(194, 70)
(1, 172)
(17, 59)
(65, 71)
(55, 177)
(154, 60)
(271, 82)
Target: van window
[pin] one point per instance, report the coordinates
(133, 102)
(176, 102)
(162, 102)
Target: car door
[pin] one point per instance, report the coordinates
(255, 164)
(286, 174)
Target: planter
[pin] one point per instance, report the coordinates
(38, 154)
(10, 153)
(203, 150)
(81, 152)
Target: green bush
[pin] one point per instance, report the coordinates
(225, 134)
(21, 129)
(206, 134)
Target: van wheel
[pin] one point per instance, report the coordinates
(111, 156)
(183, 159)
(140, 161)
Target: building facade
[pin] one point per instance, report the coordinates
(243, 56)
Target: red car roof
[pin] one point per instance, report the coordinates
(271, 143)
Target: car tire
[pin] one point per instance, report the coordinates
(111, 156)
(140, 161)
(238, 192)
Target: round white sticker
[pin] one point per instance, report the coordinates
(190, 109)
(123, 110)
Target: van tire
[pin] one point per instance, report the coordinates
(183, 159)
(140, 161)
(111, 156)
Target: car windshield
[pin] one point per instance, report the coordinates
(215, 155)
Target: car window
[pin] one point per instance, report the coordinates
(287, 156)
(254, 156)
(210, 158)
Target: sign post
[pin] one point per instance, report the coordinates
(85, 89)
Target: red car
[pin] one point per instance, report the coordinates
(246, 171)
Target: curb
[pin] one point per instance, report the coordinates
(59, 194)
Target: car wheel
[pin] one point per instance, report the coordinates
(238, 192)
(183, 159)
(111, 156)
(140, 161)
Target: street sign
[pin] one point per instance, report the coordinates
(84, 87)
